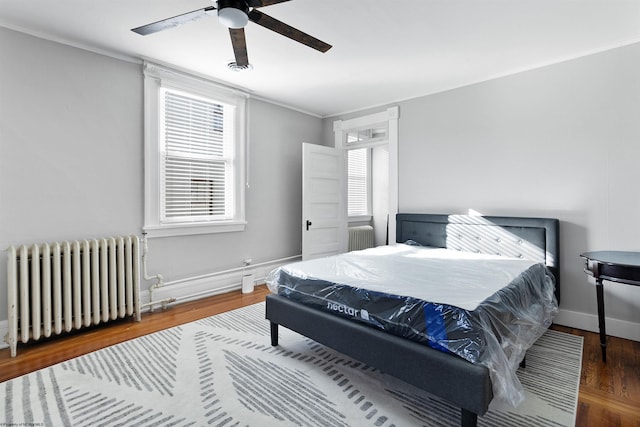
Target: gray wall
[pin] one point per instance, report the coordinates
(71, 162)
(561, 141)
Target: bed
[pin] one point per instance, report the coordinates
(461, 377)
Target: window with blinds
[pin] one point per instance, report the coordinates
(358, 182)
(196, 157)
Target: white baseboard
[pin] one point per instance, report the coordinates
(589, 322)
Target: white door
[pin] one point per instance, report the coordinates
(324, 201)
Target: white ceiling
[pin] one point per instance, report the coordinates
(382, 52)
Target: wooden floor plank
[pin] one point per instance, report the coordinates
(609, 392)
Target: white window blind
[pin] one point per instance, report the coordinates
(358, 182)
(196, 158)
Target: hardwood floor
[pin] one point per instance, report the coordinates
(38, 355)
(609, 392)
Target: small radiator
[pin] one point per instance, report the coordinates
(360, 237)
(63, 286)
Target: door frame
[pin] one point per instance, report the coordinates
(390, 117)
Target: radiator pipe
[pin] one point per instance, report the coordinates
(231, 270)
(161, 283)
(158, 277)
(167, 301)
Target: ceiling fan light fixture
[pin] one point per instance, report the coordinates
(233, 13)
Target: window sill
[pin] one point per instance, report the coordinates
(155, 231)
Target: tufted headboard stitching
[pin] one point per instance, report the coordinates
(536, 239)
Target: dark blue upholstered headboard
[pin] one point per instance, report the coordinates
(537, 239)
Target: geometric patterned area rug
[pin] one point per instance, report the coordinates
(223, 371)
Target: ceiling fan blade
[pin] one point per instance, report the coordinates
(262, 3)
(239, 46)
(287, 31)
(174, 21)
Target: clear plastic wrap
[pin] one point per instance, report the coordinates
(486, 309)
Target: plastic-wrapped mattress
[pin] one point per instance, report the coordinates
(486, 309)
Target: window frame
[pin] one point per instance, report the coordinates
(155, 78)
(389, 118)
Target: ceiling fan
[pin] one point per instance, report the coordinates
(236, 14)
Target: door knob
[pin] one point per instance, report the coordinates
(308, 224)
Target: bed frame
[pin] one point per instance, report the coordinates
(442, 374)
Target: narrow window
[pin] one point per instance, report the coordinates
(358, 183)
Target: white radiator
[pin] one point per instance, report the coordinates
(360, 237)
(59, 287)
